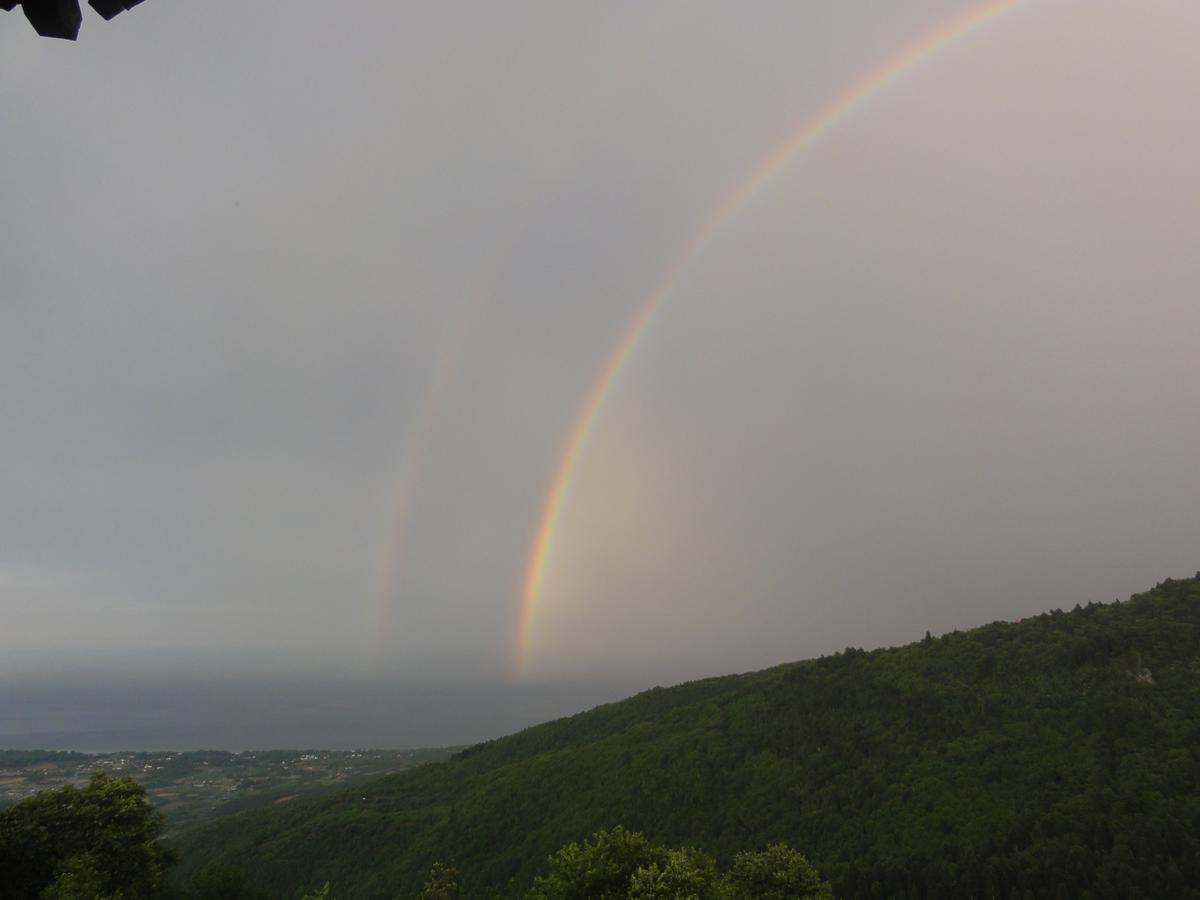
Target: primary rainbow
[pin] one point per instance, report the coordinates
(799, 140)
(431, 410)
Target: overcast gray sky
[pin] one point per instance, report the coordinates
(298, 305)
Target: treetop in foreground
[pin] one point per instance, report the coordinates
(92, 843)
(624, 865)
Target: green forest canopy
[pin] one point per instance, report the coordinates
(1057, 756)
(103, 843)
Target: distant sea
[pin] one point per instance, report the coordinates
(101, 718)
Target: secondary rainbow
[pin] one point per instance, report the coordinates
(412, 465)
(431, 410)
(733, 203)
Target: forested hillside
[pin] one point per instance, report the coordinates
(1054, 757)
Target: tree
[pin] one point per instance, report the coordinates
(686, 875)
(623, 865)
(96, 842)
(597, 870)
(777, 873)
(79, 879)
(442, 883)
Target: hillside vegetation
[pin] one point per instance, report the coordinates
(1054, 757)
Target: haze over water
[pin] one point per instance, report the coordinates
(107, 718)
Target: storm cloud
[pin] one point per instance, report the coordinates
(297, 311)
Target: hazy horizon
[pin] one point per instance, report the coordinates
(109, 710)
(307, 321)
(105, 717)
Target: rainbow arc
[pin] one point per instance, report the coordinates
(730, 207)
